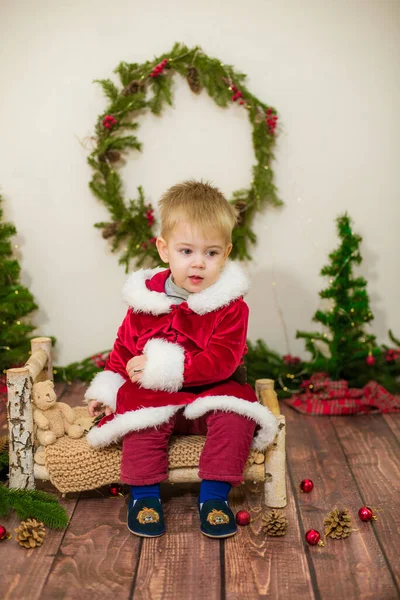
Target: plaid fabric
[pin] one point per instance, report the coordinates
(322, 396)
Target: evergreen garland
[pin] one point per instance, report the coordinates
(288, 372)
(33, 503)
(149, 86)
(82, 371)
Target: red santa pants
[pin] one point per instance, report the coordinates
(228, 440)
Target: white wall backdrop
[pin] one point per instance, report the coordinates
(330, 67)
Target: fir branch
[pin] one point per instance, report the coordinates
(119, 143)
(33, 503)
(394, 339)
(109, 88)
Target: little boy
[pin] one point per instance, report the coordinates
(172, 366)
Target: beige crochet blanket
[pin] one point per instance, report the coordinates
(74, 466)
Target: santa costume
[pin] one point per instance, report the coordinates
(193, 349)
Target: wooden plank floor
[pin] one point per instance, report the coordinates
(352, 461)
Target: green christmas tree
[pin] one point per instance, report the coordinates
(345, 349)
(16, 303)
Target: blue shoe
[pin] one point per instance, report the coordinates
(217, 519)
(146, 518)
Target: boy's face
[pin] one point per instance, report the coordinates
(195, 261)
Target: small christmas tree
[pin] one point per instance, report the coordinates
(345, 349)
(16, 303)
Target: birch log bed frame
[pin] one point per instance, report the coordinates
(268, 466)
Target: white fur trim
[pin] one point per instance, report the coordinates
(140, 298)
(133, 420)
(231, 284)
(253, 410)
(164, 366)
(104, 387)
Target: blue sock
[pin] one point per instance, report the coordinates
(145, 491)
(210, 489)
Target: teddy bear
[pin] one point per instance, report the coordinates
(52, 419)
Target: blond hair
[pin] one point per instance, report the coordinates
(200, 204)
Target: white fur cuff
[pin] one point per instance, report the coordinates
(104, 388)
(134, 420)
(164, 366)
(252, 410)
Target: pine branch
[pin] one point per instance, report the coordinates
(33, 503)
(109, 88)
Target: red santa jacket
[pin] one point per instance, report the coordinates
(196, 344)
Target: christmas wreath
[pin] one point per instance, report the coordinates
(149, 86)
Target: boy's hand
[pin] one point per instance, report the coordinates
(137, 364)
(95, 408)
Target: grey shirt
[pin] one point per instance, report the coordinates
(176, 293)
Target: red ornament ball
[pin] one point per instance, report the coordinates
(313, 537)
(306, 486)
(366, 514)
(115, 489)
(370, 360)
(243, 517)
(4, 535)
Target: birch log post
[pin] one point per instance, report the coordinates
(43, 343)
(20, 415)
(20, 424)
(275, 455)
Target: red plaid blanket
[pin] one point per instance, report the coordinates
(322, 396)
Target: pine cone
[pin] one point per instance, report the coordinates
(275, 523)
(111, 156)
(241, 208)
(133, 87)
(4, 443)
(109, 230)
(30, 533)
(260, 116)
(193, 80)
(227, 80)
(338, 524)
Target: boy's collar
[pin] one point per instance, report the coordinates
(144, 291)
